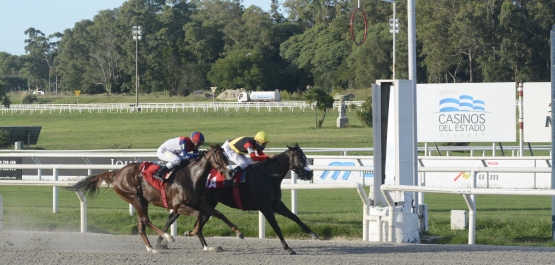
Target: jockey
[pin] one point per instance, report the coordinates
(237, 150)
(177, 149)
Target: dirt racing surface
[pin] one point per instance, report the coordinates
(28, 247)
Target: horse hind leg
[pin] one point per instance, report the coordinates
(220, 216)
(143, 222)
(231, 225)
(280, 208)
(142, 227)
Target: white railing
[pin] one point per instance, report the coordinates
(468, 194)
(83, 202)
(166, 107)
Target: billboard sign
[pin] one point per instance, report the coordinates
(536, 114)
(470, 112)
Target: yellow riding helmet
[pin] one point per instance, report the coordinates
(262, 137)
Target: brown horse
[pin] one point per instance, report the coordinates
(185, 191)
(262, 191)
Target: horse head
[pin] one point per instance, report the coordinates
(218, 160)
(299, 163)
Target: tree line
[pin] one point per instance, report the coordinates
(193, 45)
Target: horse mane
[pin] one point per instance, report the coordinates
(273, 158)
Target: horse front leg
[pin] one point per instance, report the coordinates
(271, 218)
(171, 219)
(280, 208)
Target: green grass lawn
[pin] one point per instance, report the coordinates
(82, 131)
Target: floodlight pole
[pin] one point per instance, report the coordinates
(137, 36)
(394, 29)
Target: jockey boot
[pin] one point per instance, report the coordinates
(234, 173)
(159, 175)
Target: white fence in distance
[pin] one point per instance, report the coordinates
(166, 107)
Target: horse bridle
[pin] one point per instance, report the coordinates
(212, 156)
(297, 171)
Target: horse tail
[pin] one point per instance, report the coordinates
(91, 184)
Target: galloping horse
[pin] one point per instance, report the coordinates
(185, 192)
(262, 191)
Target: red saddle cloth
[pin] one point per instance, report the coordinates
(215, 180)
(147, 170)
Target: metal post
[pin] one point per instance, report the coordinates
(394, 35)
(520, 121)
(137, 36)
(552, 128)
(136, 74)
(1, 212)
(394, 29)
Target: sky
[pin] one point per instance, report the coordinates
(50, 16)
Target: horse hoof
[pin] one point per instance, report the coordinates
(314, 236)
(162, 245)
(213, 249)
(169, 238)
(240, 235)
(151, 250)
(187, 233)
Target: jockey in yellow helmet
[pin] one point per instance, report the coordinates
(238, 149)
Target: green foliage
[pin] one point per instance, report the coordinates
(321, 101)
(365, 113)
(6, 102)
(4, 141)
(28, 98)
(239, 69)
(192, 45)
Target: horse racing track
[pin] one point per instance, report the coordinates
(26, 247)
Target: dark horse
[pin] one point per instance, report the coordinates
(262, 191)
(185, 191)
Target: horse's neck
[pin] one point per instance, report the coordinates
(277, 167)
(199, 170)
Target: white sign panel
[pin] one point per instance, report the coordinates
(466, 112)
(501, 180)
(335, 177)
(536, 114)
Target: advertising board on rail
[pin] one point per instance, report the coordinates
(486, 179)
(340, 177)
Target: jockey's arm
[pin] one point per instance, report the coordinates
(257, 155)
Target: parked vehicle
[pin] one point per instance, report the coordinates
(259, 96)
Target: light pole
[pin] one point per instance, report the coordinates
(393, 28)
(137, 36)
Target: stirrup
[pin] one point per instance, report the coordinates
(230, 183)
(159, 176)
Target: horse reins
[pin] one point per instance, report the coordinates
(297, 171)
